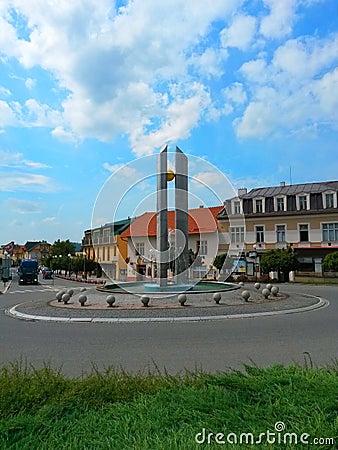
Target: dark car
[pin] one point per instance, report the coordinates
(47, 273)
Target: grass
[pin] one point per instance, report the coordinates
(41, 409)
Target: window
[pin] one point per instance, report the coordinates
(302, 202)
(237, 207)
(280, 232)
(329, 201)
(202, 247)
(108, 253)
(237, 235)
(96, 237)
(139, 247)
(280, 204)
(105, 236)
(330, 231)
(259, 233)
(104, 254)
(259, 206)
(304, 232)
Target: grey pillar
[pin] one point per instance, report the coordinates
(181, 216)
(162, 218)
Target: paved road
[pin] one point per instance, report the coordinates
(172, 346)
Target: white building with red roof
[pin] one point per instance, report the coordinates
(141, 236)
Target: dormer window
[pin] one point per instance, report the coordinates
(258, 205)
(330, 200)
(236, 207)
(303, 202)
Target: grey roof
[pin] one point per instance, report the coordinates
(294, 189)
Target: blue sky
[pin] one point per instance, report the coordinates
(87, 87)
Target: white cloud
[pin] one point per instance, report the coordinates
(18, 181)
(280, 20)
(30, 83)
(9, 159)
(22, 206)
(235, 93)
(240, 34)
(116, 67)
(295, 93)
(5, 92)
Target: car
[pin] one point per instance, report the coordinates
(47, 273)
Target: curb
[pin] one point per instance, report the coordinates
(12, 312)
(6, 288)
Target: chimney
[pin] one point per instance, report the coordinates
(201, 206)
(282, 183)
(242, 191)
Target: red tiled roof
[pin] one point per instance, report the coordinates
(200, 220)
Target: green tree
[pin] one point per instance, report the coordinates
(223, 261)
(330, 262)
(281, 260)
(63, 248)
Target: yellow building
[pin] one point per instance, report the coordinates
(106, 246)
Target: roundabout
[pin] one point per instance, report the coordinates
(129, 307)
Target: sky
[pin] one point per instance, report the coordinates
(89, 89)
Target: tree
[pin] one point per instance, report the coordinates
(63, 248)
(223, 261)
(330, 262)
(281, 260)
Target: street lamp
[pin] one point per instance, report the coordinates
(69, 258)
(255, 255)
(84, 264)
(5, 268)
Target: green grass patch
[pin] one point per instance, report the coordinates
(42, 409)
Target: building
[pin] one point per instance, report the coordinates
(105, 245)
(37, 250)
(304, 216)
(141, 237)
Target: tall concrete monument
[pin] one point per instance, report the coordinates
(181, 217)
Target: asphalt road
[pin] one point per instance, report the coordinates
(174, 347)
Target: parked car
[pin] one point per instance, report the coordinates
(47, 273)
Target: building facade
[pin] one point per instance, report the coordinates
(141, 241)
(105, 245)
(304, 216)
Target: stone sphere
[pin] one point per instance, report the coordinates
(266, 292)
(269, 286)
(274, 290)
(145, 300)
(241, 284)
(65, 298)
(217, 297)
(182, 298)
(110, 300)
(59, 295)
(70, 292)
(82, 299)
(83, 289)
(257, 285)
(245, 295)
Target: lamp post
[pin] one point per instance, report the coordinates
(5, 268)
(255, 255)
(69, 258)
(84, 264)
